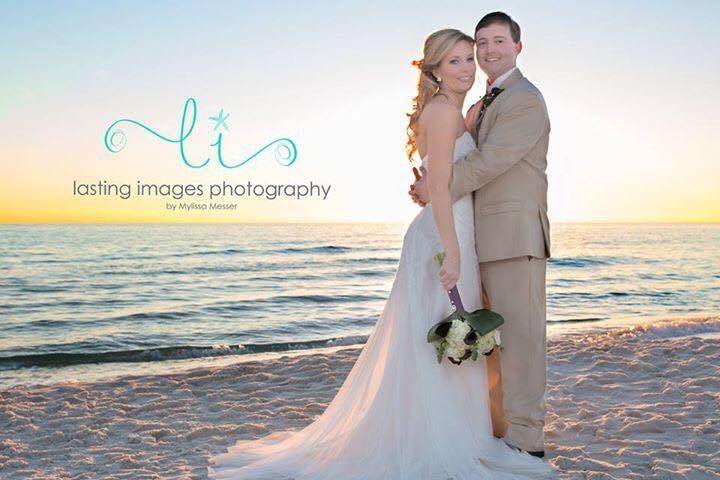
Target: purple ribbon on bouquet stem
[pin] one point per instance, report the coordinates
(454, 296)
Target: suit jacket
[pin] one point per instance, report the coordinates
(506, 174)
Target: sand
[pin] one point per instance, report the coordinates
(634, 403)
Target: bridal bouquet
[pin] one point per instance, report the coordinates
(463, 334)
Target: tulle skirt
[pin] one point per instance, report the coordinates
(399, 415)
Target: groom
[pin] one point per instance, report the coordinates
(506, 174)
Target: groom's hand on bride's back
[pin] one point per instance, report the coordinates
(418, 190)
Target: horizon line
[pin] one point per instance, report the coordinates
(291, 222)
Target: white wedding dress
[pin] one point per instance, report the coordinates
(399, 415)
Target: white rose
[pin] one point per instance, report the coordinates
(486, 342)
(458, 330)
(455, 352)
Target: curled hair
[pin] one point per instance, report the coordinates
(437, 45)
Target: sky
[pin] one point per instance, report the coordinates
(631, 90)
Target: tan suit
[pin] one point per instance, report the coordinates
(512, 235)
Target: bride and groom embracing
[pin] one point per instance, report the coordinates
(400, 414)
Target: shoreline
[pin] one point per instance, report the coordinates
(107, 371)
(630, 403)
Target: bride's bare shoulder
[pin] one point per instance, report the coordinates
(439, 111)
(439, 116)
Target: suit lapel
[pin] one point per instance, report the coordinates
(508, 82)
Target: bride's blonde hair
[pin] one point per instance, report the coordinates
(437, 45)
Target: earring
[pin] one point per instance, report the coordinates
(438, 79)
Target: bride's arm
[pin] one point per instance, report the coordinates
(441, 127)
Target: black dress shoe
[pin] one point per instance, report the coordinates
(538, 453)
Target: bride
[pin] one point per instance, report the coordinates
(401, 415)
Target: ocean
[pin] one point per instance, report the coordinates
(85, 302)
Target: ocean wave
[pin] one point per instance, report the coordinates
(46, 288)
(374, 273)
(319, 298)
(365, 260)
(180, 352)
(189, 270)
(580, 262)
(317, 249)
(578, 320)
(670, 328)
(254, 266)
(600, 260)
(602, 295)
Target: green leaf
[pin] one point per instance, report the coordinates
(439, 258)
(433, 335)
(441, 349)
(483, 321)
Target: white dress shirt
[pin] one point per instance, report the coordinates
(500, 79)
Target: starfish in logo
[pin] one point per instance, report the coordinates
(220, 120)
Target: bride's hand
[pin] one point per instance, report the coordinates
(450, 271)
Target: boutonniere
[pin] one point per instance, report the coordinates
(488, 98)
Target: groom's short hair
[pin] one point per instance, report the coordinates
(502, 18)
